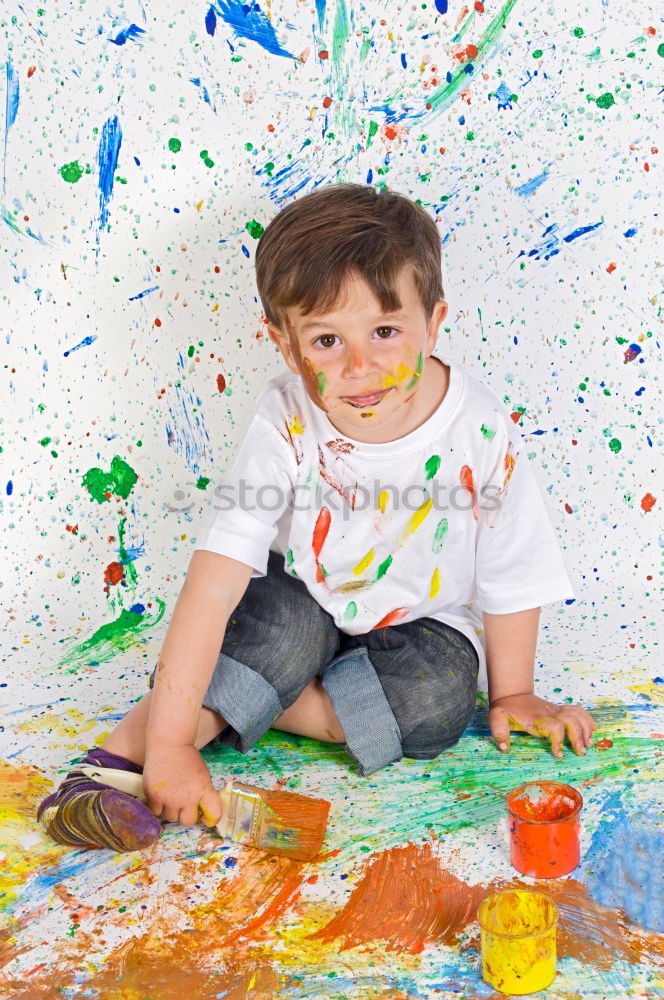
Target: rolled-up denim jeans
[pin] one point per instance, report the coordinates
(404, 690)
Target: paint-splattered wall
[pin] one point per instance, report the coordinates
(145, 147)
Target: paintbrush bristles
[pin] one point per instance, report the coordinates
(288, 823)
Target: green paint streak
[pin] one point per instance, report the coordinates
(605, 101)
(615, 445)
(373, 128)
(322, 382)
(487, 433)
(119, 481)
(71, 172)
(383, 568)
(366, 45)
(351, 611)
(444, 96)
(112, 638)
(131, 578)
(417, 372)
(432, 466)
(255, 229)
(341, 31)
(439, 537)
(174, 145)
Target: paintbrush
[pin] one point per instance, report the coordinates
(277, 821)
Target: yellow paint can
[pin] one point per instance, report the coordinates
(518, 940)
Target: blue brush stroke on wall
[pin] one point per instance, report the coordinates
(581, 231)
(550, 243)
(84, 343)
(109, 149)
(211, 21)
(248, 21)
(532, 185)
(320, 10)
(141, 294)
(132, 32)
(623, 865)
(196, 80)
(11, 110)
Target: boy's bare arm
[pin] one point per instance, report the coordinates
(213, 587)
(510, 644)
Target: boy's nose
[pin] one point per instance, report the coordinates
(358, 362)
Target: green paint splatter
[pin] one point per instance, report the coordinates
(351, 611)
(204, 155)
(487, 433)
(322, 382)
(255, 229)
(115, 637)
(373, 128)
(439, 537)
(174, 145)
(290, 560)
(432, 466)
(71, 172)
(383, 568)
(615, 445)
(537, 54)
(578, 32)
(660, 49)
(416, 373)
(605, 101)
(119, 481)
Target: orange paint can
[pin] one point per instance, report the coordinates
(544, 821)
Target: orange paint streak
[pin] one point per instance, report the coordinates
(390, 617)
(320, 531)
(466, 479)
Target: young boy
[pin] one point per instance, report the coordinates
(378, 540)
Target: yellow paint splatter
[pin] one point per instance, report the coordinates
(383, 497)
(363, 563)
(403, 371)
(653, 692)
(435, 583)
(295, 427)
(416, 520)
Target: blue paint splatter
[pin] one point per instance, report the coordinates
(320, 10)
(549, 244)
(109, 149)
(441, 6)
(10, 488)
(504, 97)
(141, 294)
(581, 231)
(84, 343)
(632, 352)
(196, 80)
(248, 21)
(211, 21)
(132, 32)
(532, 185)
(631, 232)
(11, 110)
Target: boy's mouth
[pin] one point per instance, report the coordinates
(369, 399)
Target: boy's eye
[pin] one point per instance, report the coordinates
(388, 328)
(327, 339)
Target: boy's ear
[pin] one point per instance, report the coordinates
(437, 316)
(280, 340)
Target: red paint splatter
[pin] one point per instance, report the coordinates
(604, 744)
(516, 416)
(323, 54)
(327, 101)
(611, 268)
(568, 508)
(471, 51)
(479, 7)
(648, 502)
(320, 534)
(466, 479)
(31, 71)
(221, 383)
(390, 617)
(157, 322)
(113, 573)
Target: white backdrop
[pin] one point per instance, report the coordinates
(144, 148)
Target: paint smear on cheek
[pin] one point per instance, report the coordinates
(314, 381)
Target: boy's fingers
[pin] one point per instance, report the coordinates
(210, 807)
(500, 729)
(554, 730)
(575, 735)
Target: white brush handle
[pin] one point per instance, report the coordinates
(128, 781)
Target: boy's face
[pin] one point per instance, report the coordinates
(366, 369)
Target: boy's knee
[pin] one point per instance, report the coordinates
(440, 727)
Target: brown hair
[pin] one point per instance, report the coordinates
(314, 243)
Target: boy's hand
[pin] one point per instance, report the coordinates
(175, 781)
(529, 714)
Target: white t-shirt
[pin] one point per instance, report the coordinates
(445, 522)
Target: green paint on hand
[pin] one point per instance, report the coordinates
(255, 229)
(439, 537)
(432, 466)
(383, 568)
(605, 101)
(487, 433)
(119, 481)
(174, 145)
(71, 172)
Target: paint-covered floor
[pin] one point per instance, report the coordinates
(389, 909)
